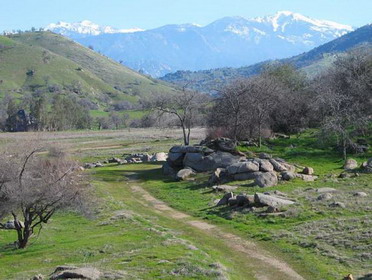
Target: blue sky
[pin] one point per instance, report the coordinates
(146, 14)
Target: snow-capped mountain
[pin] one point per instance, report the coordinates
(85, 28)
(227, 42)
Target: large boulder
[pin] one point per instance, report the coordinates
(288, 175)
(246, 176)
(183, 174)
(175, 159)
(265, 165)
(244, 200)
(201, 163)
(168, 170)
(190, 149)
(267, 179)
(350, 164)
(279, 167)
(273, 201)
(219, 176)
(265, 156)
(243, 167)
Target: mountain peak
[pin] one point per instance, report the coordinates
(85, 28)
(283, 18)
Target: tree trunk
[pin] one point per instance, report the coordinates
(344, 153)
(259, 135)
(23, 233)
(188, 135)
(185, 140)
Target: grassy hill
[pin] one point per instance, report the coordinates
(311, 62)
(46, 61)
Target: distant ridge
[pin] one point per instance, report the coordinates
(227, 42)
(311, 62)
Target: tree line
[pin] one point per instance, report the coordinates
(281, 99)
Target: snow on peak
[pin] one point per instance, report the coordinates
(86, 27)
(283, 18)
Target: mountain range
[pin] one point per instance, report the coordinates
(227, 42)
(312, 62)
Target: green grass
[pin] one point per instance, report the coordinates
(60, 61)
(287, 236)
(143, 245)
(318, 241)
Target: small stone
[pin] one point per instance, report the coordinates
(360, 194)
(325, 196)
(337, 204)
(224, 188)
(326, 190)
(350, 164)
(308, 171)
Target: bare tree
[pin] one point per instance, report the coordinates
(343, 100)
(34, 186)
(186, 106)
(230, 108)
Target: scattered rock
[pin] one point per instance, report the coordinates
(224, 200)
(219, 176)
(278, 166)
(272, 209)
(367, 166)
(114, 160)
(268, 200)
(246, 176)
(325, 196)
(308, 171)
(265, 165)
(183, 174)
(76, 273)
(245, 200)
(337, 204)
(326, 190)
(344, 175)
(232, 201)
(360, 194)
(265, 156)
(268, 179)
(350, 164)
(288, 175)
(307, 178)
(159, 157)
(243, 167)
(10, 224)
(224, 188)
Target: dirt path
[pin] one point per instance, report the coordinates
(269, 267)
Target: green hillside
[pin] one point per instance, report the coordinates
(49, 62)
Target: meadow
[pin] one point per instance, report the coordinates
(132, 233)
